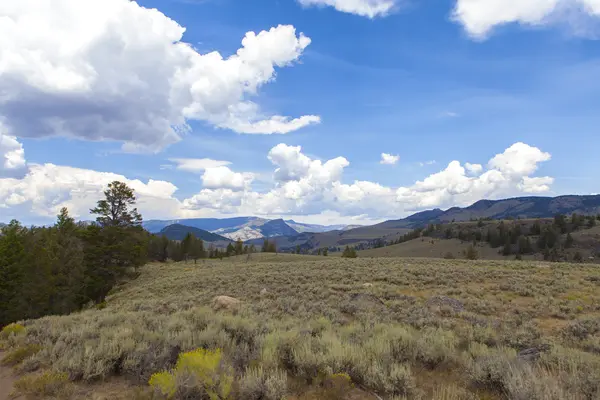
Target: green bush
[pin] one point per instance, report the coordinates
(18, 355)
(48, 384)
(197, 373)
(12, 329)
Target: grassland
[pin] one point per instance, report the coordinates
(329, 328)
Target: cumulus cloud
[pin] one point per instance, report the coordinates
(473, 169)
(47, 188)
(301, 186)
(365, 8)
(12, 157)
(224, 178)
(479, 17)
(197, 164)
(114, 70)
(508, 174)
(389, 159)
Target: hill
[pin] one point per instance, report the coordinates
(245, 228)
(519, 207)
(552, 239)
(179, 232)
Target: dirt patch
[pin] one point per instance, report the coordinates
(7, 379)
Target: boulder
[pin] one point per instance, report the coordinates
(225, 303)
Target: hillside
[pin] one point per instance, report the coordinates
(552, 239)
(402, 328)
(520, 207)
(179, 232)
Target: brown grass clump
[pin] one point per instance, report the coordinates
(440, 329)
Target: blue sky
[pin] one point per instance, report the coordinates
(414, 82)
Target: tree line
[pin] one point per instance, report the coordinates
(59, 269)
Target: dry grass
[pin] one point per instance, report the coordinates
(424, 328)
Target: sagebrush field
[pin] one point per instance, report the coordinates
(325, 328)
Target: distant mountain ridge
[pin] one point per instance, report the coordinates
(245, 228)
(179, 232)
(518, 207)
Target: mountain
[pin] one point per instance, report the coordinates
(300, 227)
(179, 232)
(519, 207)
(268, 229)
(277, 227)
(207, 224)
(522, 207)
(245, 228)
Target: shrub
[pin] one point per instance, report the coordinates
(48, 384)
(490, 371)
(257, 384)
(18, 355)
(349, 252)
(12, 329)
(471, 253)
(198, 373)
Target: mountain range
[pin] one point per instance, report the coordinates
(522, 207)
(179, 232)
(245, 228)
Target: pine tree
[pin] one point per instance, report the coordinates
(12, 253)
(569, 241)
(349, 252)
(116, 209)
(239, 247)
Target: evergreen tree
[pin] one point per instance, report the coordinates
(12, 252)
(197, 250)
(239, 247)
(230, 250)
(507, 249)
(569, 241)
(349, 252)
(471, 253)
(116, 209)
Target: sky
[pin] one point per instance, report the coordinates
(322, 111)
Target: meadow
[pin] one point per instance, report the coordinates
(305, 327)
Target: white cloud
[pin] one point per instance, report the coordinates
(197, 164)
(113, 70)
(302, 186)
(474, 169)
(224, 178)
(389, 159)
(519, 159)
(12, 156)
(479, 17)
(425, 163)
(365, 8)
(508, 174)
(47, 188)
(536, 185)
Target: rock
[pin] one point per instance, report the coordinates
(533, 353)
(367, 285)
(264, 292)
(225, 303)
(444, 301)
